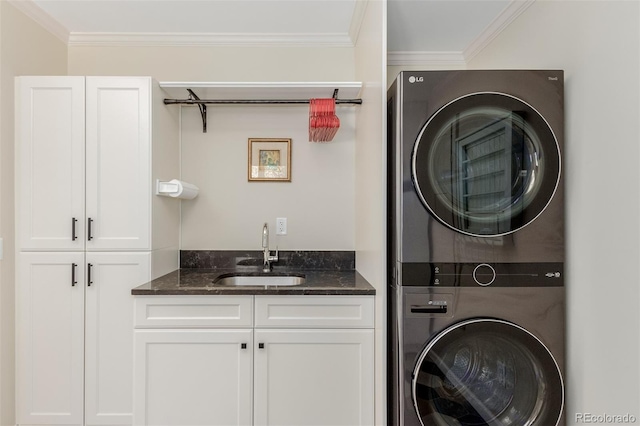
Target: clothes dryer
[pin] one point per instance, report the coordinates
(475, 166)
(468, 355)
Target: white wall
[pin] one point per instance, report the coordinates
(597, 43)
(25, 49)
(371, 178)
(229, 212)
(215, 63)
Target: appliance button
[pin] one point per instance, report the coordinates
(484, 274)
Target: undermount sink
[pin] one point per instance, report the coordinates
(259, 280)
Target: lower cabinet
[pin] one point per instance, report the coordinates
(193, 377)
(313, 377)
(74, 337)
(193, 369)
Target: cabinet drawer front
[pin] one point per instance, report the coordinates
(315, 311)
(193, 311)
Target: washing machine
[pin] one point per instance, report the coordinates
(475, 170)
(476, 248)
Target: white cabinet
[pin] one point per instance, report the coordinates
(84, 163)
(313, 377)
(196, 377)
(313, 352)
(84, 203)
(193, 360)
(50, 152)
(118, 167)
(74, 340)
(110, 276)
(50, 338)
(192, 350)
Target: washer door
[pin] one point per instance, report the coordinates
(486, 164)
(487, 372)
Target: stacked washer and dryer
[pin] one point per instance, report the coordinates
(476, 248)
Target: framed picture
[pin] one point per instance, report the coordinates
(269, 160)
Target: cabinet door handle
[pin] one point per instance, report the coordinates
(73, 229)
(73, 274)
(243, 346)
(89, 236)
(261, 345)
(89, 281)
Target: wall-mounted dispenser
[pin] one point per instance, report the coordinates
(176, 189)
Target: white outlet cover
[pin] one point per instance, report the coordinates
(281, 226)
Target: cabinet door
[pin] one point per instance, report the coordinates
(49, 338)
(313, 377)
(193, 377)
(109, 335)
(50, 163)
(118, 163)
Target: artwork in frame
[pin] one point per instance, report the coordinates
(269, 160)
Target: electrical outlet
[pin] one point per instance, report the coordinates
(281, 226)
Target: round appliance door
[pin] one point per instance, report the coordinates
(487, 372)
(486, 164)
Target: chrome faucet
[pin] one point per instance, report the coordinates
(266, 253)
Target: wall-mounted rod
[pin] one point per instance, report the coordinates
(251, 101)
(202, 103)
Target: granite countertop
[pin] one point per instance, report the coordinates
(193, 281)
(199, 275)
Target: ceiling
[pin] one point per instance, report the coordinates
(415, 27)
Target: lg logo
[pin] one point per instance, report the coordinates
(413, 79)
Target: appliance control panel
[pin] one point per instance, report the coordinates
(482, 274)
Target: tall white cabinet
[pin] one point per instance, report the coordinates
(88, 229)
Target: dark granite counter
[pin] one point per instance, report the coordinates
(325, 273)
(200, 281)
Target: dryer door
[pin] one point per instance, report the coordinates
(487, 372)
(486, 164)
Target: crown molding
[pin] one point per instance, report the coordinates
(356, 20)
(426, 58)
(499, 24)
(209, 39)
(42, 18)
(457, 59)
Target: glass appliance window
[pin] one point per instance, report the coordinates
(487, 372)
(486, 164)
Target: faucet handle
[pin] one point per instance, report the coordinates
(274, 258)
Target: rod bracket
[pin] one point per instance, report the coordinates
(202, 107)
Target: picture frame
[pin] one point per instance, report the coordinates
(269, 160)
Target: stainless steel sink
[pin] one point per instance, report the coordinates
(259, 279)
